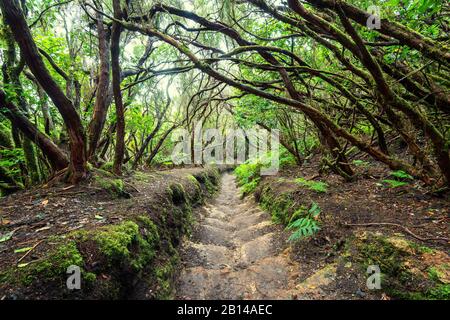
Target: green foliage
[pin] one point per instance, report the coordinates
(6, 236)
(114, 241)
(360, 163)
(306, 224)
(286, 158)
(248, 176)
(10, 161)
(317, 186)
(394, 183)
(400, 174)
(250, 186)
(279, 205)
(399, 260)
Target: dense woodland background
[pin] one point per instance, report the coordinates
(104, 83)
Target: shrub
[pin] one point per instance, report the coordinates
(306, 224)
(248, 176)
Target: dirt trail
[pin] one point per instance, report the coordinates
(236, 253)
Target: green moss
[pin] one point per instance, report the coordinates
(395, 256)
(148, 243)
(141, 176)
(54, 265)
(249, 187)
(115, 187)
(440, 292)
(197, 196)
(89, 278)
(420, 248)
(151, 229)
(379, 251)
(177, 193)
(5, 137)
(209, 180)
(107, 166)
(124, 243)
(164, 277)
(434, 273)
(114, 241)
(193, 180)
(99, 172)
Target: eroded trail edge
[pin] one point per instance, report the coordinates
(236, 252)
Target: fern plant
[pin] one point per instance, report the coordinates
(306, 226)
(394, 183)
(400, 176)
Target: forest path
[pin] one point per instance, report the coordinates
(236, 252)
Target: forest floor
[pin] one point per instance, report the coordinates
(235, 250)
(404, 230)
(41, 213)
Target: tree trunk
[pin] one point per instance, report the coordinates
(120, 117)
(101, 99)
